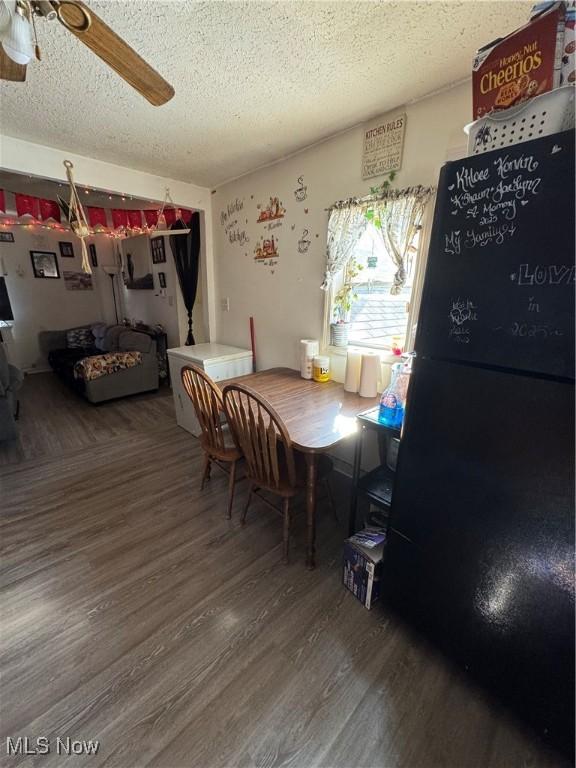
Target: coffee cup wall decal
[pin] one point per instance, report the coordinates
(304, 243)
(301, 191)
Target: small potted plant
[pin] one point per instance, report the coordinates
(342, 305)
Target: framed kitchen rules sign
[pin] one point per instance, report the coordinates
(383, 142)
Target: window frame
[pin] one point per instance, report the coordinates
(421, 259)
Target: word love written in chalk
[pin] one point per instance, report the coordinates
(544, 274)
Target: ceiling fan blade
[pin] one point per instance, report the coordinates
(93, 32)
(9, 70)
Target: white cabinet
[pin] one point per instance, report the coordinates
(217, 360)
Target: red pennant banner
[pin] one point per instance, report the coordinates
(97, 217)
(2, 201)
(119, 218)
(49, 209)
(134, 219)
(27, 204)
(170, 215)
(186, 215)
(151, 217)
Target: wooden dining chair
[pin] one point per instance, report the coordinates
(216, 440)
(272, 464)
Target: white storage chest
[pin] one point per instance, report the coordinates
(217, 360)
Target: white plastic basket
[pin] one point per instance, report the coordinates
(543, 115)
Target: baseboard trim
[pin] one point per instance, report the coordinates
(28, 371)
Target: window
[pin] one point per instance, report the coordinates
(379, 318)
(374, 268)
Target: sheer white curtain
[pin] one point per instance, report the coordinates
(346, 224)
(345, 227)
(397, 218)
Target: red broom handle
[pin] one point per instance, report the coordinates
(253, 343)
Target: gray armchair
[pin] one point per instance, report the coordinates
(10, 382)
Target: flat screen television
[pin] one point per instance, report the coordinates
(5, 306)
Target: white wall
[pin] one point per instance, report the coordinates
(26, 157)
(45, 304)
(286, 300)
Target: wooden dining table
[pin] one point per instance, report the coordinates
(319, 416)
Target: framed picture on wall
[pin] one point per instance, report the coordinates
(162, 279)
(6, 237)
(158, 252)
(45, 264)
(77, 281)
(93, 257)
(66, 250)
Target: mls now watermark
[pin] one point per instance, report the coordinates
(43, 745)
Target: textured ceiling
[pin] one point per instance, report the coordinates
(254, 80)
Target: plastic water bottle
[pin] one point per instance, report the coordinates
(392, 401)
(391, 409)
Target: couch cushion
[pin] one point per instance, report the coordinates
(99, 330)
(110, 341)
(95, 366)
(135, 342)
(79, 338)
(99, 333)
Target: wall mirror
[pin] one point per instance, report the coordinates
(137, 263)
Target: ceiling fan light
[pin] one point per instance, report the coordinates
(17, 40)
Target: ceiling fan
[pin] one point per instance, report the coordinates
(17, 28)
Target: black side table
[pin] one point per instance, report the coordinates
(160, 337)
(377, 484)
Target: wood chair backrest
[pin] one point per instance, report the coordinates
(261, 435)
(207, 401)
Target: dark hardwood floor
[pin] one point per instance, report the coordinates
(134, 613)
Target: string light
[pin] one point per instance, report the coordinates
(116, 234)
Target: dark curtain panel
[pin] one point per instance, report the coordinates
(5, 306)
(186, 252)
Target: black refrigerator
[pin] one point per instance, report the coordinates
(480, 553)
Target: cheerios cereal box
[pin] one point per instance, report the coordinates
(524, 64)
(568, 69)
(568, 72)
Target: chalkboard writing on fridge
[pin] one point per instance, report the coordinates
(500, 278)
